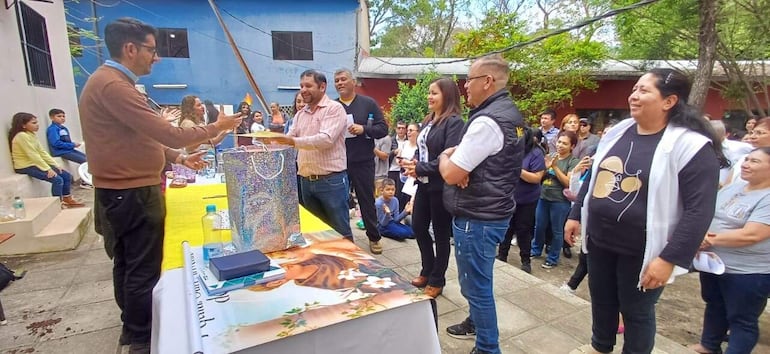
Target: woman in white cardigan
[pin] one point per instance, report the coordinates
(644, 212)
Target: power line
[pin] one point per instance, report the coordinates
(279, 39)
(539, 38)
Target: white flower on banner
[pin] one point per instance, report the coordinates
(379, 283)
(350, 274)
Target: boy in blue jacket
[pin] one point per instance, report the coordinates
(60, 143)
(388, 216)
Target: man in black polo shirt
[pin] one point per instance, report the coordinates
(368, 124)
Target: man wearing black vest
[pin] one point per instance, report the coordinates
(368, 124)
(480, 175)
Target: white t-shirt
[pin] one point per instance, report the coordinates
(483, 138)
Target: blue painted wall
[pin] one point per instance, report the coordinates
(212, 71)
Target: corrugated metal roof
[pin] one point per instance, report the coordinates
(409, 68)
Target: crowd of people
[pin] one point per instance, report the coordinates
(643, 197)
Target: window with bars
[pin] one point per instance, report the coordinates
(172, 43)
(34, 45)
(292, 45)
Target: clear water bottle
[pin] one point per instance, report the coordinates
(18, 208)
(211, 167)
(212, 236)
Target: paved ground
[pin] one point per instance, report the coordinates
(65, 304)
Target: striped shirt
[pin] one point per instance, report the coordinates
(319, 138)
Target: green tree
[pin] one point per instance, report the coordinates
(544, 74)
(417, 27)
(671, 30)
(410, 104)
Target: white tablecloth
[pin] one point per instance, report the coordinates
(405, 329)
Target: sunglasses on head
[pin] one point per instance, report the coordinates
(583, 124)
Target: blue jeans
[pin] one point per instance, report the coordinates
(555, 214)
(612, 280)
(327, 198)
(396, 230)
(74, 156)
(475, 250)
(733, 302)
(60, 184)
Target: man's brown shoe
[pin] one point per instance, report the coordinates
(433, 291)
(420, 281)
(375, 247)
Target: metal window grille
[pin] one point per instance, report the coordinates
(34, 44)
(292, 45)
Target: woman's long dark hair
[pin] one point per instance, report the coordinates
(541, 142)
(17, 125)
(672, 82)
(451, 101)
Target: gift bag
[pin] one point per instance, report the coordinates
(262, 197)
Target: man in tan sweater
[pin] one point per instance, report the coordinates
(128, 144)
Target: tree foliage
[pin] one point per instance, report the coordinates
(669, 30)
(544, 74)
(415, 27)
(411, 102)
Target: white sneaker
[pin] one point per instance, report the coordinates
(565, 287)
(514, 242)
(86, 186)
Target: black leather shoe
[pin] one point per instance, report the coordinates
(567, 252)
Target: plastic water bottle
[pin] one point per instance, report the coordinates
(212, 236)
(18, 208)
(211, 168)
(369, 123)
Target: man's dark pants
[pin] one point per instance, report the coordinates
(361, 176)
(135, 218)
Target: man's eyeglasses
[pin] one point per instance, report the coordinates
(152, 50)
(469, 79)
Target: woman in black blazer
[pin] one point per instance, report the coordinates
(441, 129)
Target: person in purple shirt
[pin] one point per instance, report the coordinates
(388, 216)
(526, 195)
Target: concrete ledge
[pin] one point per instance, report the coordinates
(24, 186)
(64, 232)
(40, 212)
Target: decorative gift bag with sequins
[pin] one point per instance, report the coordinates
(262, 197)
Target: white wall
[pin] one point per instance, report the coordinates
(17, 96)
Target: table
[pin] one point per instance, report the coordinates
(336, 298)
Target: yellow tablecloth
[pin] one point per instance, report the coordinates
(186, 206)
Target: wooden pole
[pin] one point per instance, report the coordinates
(246, 71)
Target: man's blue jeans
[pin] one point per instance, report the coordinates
(74, 156)
(327, 198)
(60, 184)
(734, 302)
(555, 214)
(476, 244)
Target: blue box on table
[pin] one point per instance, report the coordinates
(239, 264)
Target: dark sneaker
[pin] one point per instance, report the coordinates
(463, 330)
(567, 252)
(125, 337)
(527, 267)
(139, 348)
(548, 265)
(477, 351)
